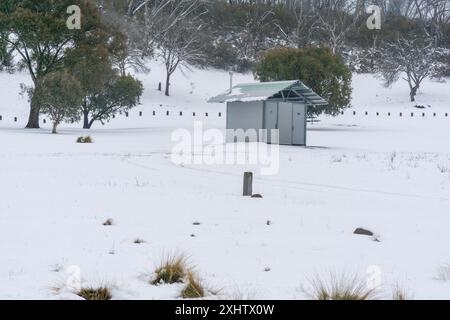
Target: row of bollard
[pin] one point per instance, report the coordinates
(401, 114)
(141, 114)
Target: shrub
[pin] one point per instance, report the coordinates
(100, 293)
(194, 289)
(341, 288)
(87, 139)
(173, 269)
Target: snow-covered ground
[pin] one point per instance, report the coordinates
(389, 174)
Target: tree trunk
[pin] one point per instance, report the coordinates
(90, 123)
(33, 118)
(55, 125)
(86, 120)
(413, 93)
(167, 84)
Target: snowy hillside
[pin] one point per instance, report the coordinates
(388, 174)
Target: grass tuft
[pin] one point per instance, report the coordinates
(341, 288)
(100, 293)
(87, 139)
(400, 293)
(173, 269)
(194, 288)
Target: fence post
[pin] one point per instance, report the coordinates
(248, 184)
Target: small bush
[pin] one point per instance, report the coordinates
(138, 241)
(86, 139)
(341, 288)
(173, 269)
(194, 289)
(100, 293)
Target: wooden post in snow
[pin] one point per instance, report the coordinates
(248, 184)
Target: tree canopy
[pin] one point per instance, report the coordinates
(318, 68)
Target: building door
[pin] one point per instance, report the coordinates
(299, 124)
(285, 122)
(271, 121)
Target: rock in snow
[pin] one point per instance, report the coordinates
(363, 232)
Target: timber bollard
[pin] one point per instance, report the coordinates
(248, 184)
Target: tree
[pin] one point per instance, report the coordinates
(318, 68)
(37, 32)
(121, 94)
(181, 43)
(413, 60)
(105, 90)
(58, 94)
(5, 55)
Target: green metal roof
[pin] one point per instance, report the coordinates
(294, 90)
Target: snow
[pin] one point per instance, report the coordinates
(389, 174)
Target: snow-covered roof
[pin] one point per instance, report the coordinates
(293, 90)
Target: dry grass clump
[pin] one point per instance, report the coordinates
(173, 269)
(87, 139)
(342, 287)
(400, 293)
(99, 293)
(194, 288)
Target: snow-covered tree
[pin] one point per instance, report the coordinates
(413, 60)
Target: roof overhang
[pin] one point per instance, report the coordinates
(293, 91)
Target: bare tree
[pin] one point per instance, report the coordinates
(413, 60)
(180, 43)
(335, 21)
